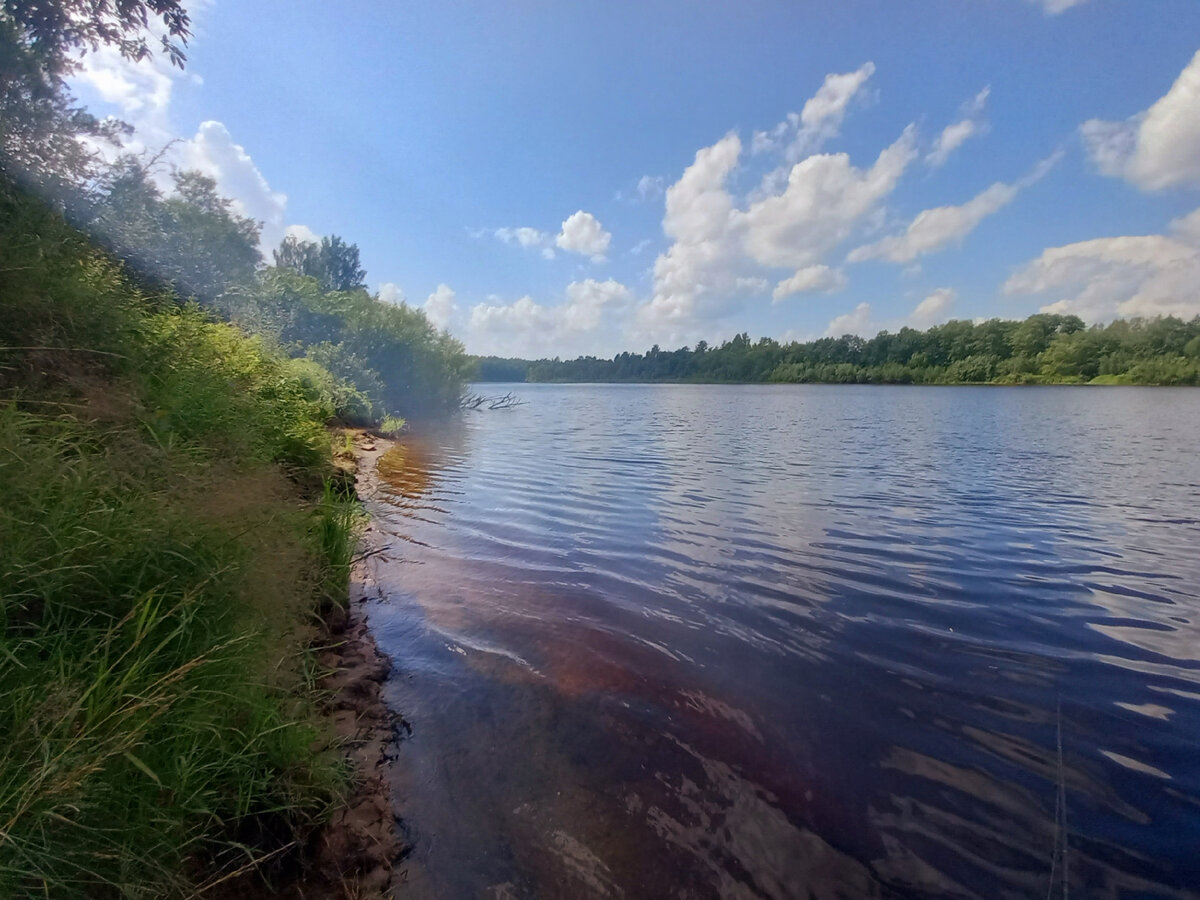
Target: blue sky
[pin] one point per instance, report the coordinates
(560, 178)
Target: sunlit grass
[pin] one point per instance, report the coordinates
(160, 568)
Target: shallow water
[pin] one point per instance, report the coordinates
(793, 641)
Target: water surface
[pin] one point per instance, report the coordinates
(794, 641)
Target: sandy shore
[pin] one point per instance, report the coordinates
(358, 853)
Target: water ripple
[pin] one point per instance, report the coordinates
(803, 641)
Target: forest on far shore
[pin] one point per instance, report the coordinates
(1043, 349)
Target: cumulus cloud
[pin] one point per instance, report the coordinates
(1145, 275)
(824, 199)
(591, 319)
(214, 152)
(1158, 148)
(933, 308)
(810, 279)
(938, 228)
(302, 233)
(956, 134)
(820, 119)
(856, 321)
(699, 268)
(821, 202)
(583, 233)
(590, 303)
(751, 285)
(142, 91)
(390, 292)
(440, 306)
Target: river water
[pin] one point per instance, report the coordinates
(798, 641)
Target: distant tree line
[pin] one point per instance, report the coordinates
(1043, 349)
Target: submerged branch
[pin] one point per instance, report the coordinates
(479, 401)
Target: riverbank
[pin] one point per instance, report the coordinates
(181, 680)
(357, 852)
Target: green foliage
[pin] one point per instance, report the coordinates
(41, 42)
(391, 425)
(154, 567)
(143, 733)
(495, 368)
(333, 262)
(383, 358)
(339, 522)
(1042, 349)
(390, 354)
(191, 242)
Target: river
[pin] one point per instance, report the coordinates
(798, 641)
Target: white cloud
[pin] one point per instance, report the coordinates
(590, 304)
(936, 229)
(523, 237)
(650, 187)
(591, 319)
(1158, 148)
(440, 306)
(819, 278)
(821, 202)
(214, 152)
(583, 233)
(751, 285)
(302, 233)
(1187, 228)
(1146, 275)
(698, 269)
(825, 198)
(390, 292)
(933, 308)
(514, 329)
(819, 121)
(141, 92)
(956, 134)
(1054, 7)
(854, 322)
(636, 249)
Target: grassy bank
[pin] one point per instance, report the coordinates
(167, 541)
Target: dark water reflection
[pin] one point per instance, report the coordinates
(708, 641)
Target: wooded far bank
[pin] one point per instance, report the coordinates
(1043, 349)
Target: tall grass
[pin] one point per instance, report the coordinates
(158, 563)
(336, 530)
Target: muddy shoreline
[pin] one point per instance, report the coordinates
(360, 852)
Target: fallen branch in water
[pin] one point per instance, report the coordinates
(479, 401)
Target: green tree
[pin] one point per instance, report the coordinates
(334, 263)
(41, 43)
(191, 241)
